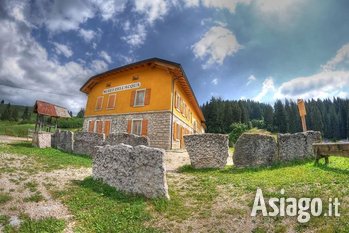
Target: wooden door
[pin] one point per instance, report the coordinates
(106, 128)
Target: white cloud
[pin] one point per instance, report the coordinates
(24, 61)
(87, 35)
(268, 87)
(109, 8)
(63, 15)
(152, 9)
(250, 79)
(105, 56)
(135, 36)
(214, 81)
(342, 57)
(63, 49)
(322, 85)
(217, 44)
(225, 4)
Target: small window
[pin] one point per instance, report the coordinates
(99, 103)
(139, 99)
(137, 127)
(178, 101)
(111, 101)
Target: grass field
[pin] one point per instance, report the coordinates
(201, 200)
(15, 129)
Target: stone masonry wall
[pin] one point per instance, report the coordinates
(128, 139)
(159, 126)
(263, 150)
(138, 170)
(297, 146)
(84, 142)
(41, 139)
(63, 140)
(207, 150)
(254, 150)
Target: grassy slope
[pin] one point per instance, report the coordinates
(15, 129)
(100, 208)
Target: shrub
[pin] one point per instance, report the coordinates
(236, 130)
(73, 122)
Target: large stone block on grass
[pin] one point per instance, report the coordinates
(137, 170)
(128, 139)
(297, 146)
(253, 150)
(207, 150)
(41, 139)
(85, 142)
(63, 140)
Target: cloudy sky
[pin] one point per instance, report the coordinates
(235, 49)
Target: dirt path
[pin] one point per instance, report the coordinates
(29, 192)
(10, 139)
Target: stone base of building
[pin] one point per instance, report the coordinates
(159, 126)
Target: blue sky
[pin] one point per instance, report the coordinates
(242, 49)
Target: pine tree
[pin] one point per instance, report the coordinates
(6, 114)
(81, 113)
(25, 115)
(280, 117)
(14, 115)
(268, 117)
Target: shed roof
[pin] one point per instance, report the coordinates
(48, 109)
(173, 67)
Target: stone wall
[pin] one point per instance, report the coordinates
(297, 146)
(207, 150)
(128, 139)
(254, 150)
(159, 126)
(41, 139)
(138, 170)
(63, 140)
(84, 142)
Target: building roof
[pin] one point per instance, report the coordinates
(47, 109)
(173, 67)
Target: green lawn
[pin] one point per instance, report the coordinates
(16, 129)
(206, 200)
(12, 128)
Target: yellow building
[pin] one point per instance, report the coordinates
(152, 97)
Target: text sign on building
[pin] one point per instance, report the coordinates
(122, 88)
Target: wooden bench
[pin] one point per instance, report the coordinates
(325, 150)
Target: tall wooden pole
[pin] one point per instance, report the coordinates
(302, 113)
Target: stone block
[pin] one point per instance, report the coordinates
(137, 170)
(207, 150)
(253, 150)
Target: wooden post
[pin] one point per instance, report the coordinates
(302, 113)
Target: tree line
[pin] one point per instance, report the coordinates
(11, 114)
(330, 116)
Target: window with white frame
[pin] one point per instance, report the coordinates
(136, 127)
(139, 98)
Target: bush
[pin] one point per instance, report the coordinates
(258, 124)
(236, 130)
(73, 122)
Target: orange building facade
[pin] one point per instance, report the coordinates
(152, 98)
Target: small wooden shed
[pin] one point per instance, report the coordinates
(47, 115)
